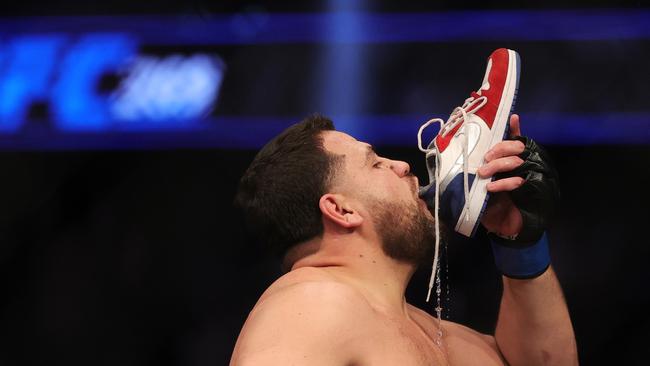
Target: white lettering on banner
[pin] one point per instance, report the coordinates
(63, 73)
(168, 89)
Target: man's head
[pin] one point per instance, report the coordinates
(384, 192)
(279, 191)
(311, 174)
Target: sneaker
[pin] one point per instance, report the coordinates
(455, 191)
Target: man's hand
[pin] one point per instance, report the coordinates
(526, 190)
(502, 216)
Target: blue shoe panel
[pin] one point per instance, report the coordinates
(452, 199)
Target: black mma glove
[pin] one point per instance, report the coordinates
(526, 254)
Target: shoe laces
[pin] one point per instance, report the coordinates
(458, 115)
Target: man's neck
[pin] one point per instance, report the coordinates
(382, 280)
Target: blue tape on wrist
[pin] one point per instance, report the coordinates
(522, 263)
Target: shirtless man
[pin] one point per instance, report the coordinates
(352, 230)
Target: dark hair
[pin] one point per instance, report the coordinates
(279, 192)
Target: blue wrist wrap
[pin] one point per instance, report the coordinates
(522, 263)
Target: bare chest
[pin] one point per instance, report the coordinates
(391, 342)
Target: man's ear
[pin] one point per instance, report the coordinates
(336, 208)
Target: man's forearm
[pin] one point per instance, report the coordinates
(534, 327)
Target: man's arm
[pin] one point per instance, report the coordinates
(534, 327)
(305, 323)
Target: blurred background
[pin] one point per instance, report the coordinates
(125, 126)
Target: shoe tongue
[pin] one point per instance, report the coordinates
(476, 95)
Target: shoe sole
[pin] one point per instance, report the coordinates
(478, 194)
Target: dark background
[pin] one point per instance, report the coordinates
(138, 258)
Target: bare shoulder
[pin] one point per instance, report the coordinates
(303, 316)
(464, 345)
(306, 276)
(310, 285)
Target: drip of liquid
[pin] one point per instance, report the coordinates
(438, 306)
(447, 291)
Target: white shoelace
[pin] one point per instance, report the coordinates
(458, 115)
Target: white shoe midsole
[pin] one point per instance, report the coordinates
(477, 193)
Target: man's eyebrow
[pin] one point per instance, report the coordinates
(370, 154)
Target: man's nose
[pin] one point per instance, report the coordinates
(401, 168)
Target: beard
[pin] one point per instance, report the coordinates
(406, 231)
